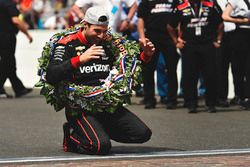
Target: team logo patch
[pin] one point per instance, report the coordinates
(186, 10)
(80, 48)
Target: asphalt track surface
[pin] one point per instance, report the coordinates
(31, 135)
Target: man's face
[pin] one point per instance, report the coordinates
(95, 33)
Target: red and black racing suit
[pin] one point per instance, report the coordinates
(90, 133)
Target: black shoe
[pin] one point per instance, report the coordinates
(23, 92)
(171, 105)
(5, 96)
(211, 109)
(185, 105)
(222, 103)
(149, 105)
(235, 101)
(67, 145)
(246, 104)
(163, 100)
(191, 106)
(192, 109)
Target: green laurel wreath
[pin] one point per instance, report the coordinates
(111, 97)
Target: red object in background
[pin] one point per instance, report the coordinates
(25, 5)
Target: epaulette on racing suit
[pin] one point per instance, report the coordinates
(183, 4)
(65, 63)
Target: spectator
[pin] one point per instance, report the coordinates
(153, 18)
(162, 82)
(72, 18)
(224, 59)
(131, 30)
(238, 12)
(201, 88)
(201, 28)
(32, 16)
(55, 22)
(25, 5)
(10, 24)
(37, 11)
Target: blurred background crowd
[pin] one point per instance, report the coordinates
(45, 14)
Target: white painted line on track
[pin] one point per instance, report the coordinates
(126, 156)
